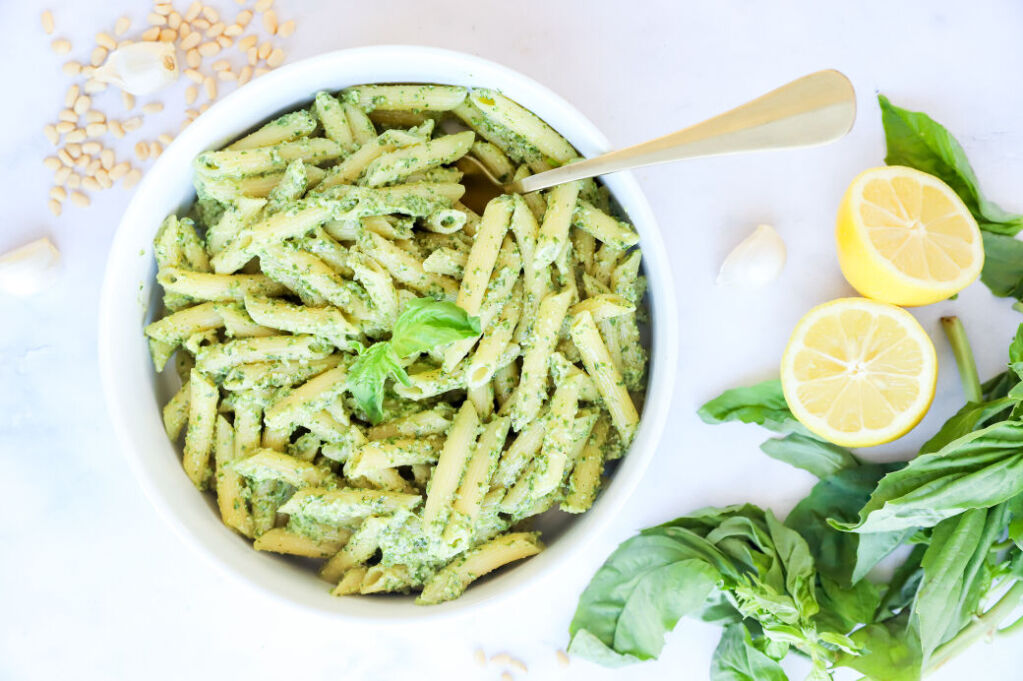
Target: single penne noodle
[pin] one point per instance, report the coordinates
(494, 160)
(603, 227)
(216, 359)
(292, 186)
(350, 582)
(392, 453)
(399, 164)
(524, 123)
(276, 374)
(563, 371)
(450, 464)
(343, 439)
(387, 579)
(451, 580)
(607, 379)
(281, 540)
(326, 322)
(267, 159)
(232, 189)
(288, 127)
(505, 380)
(427, 384)
(497, 337)
(482, 399)
(522, 450)
(603, 306)
(513, 145)
(476, 481)
(604, 263)
(236, 218)
(544, 338)
(379, 286)
(325, 247)
(175, 412)
(557, 442)
(349, 170)
(338, 507)
(360, 547)
(359, 123)
(397, 119)
(446, 261)
(269, 464)
(332, 117)
(414, 98)
(434, 421)
(438, 174)
(312, 396)
(175, 328)
(238, 323)
(202, 414)
(230, 500)
(584, 480)
(445, 221)
(248, 418)
(483, 256)
(553, 234)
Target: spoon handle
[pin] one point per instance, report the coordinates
(814, 109)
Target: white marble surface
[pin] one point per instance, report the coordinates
(94, 586)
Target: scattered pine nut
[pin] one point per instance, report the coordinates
(233, 31)
(92, 148)
(92, 167)
(563, 658)
(224, 41)
(168, 35)
(99, 55)
(62, 174)
(47, 21)
(91, 184)
(270, 22)
(193, 11)
(64, 127)
(204, 108)
(191, 94)
(163, 8)
(61, 46)
(221, 64)
(92, 86)
(211, 14)
(259, 72)
(79, 199)
(227, 75)
(480, 657)
(209, 49)
(71, 68)
(506, 676)
(195, 76)
(52, 162)
(141, 151)
(191, 40)
(215, 30)
(263, 5)
(122, 26)
(95, 117)
(106, 159)
(245, 75)
(155, 149)
(265, 49)
(103, 39)
(174, 20)
(74, 180)
(96, 129)
(155, 19)
(276, 58)
(165, 139)
(58, 193)
(103, 177)
(252, 55)
(83, 161)
(82, 104)
(67, 115)
(519, 664)
(74, 150)
(133, 123)
(132, 178)
(119, 170)
(75, 136)
(243, 18)
(51, 133)
(210, 86)
(127, 100)
(192, 58)
(153, 107)
(503, 659)
(55, 207)
(247, 42)
(115, 129)
(151, 34)
(201, 24)
(71, 96)
(286, 29)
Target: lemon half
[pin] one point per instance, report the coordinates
(859, 372)
(905, 237)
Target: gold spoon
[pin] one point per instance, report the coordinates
(815, 109)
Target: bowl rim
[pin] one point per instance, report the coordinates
(663, 356)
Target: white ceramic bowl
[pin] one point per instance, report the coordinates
(135, 394)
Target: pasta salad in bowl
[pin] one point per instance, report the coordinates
(398, 385)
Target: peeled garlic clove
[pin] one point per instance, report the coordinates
(27, 270)
(755, 262)
(140, 68)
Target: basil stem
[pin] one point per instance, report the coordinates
(964, 358)
(982, 626)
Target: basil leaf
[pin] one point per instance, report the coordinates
(980, 469)
(916, 140)
(844, 608)
(426, 323)
(763, 404)
(890, 651)
(737, 659)
(369, 373)
(903, 585)
(812, 455)
(842, 556)
(968, 419)
(999, 386)
(800, 574)
(954, 574)
(1003, 265)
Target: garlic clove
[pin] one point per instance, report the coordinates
(28, 270)
(140, 68)
(755, 262)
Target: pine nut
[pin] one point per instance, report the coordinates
(519, 664)
(165, 139)
(132, 178)
(122, 26)
(115, 129)
(83, 161)
(153, 107)
(82, 104)
(210, 86)
(96, 129)
(103, 177)
(224, 41)
(88, 71)
(71, 96)
(245, 75)
(286, 29)
(502, 659)
(47, 21)
(74, 150)
(168, 35)
(227, 75)
(80, 199)
(252, 56)
(247, 42)
(95, 117)
(92, 167)
(58, 193)
(174, 20)
(104, 39)
(61, 46)
(163, 8)
(92, 86)
(192, 58)
(106, 159)
(141, 151)
(51, 133)
(67, 115)
(151, 34)
(209, 49)
(92, 148)
(64, 127)
(194, 76)
(243, 18)
(55, 207)
(480, 657)
(211, 14)
(193, 11)
(155, 19)
(191, 40)
(71, 68)
(90, 183)
(276, 58)
(191, 94)
(204, 108)
(52, 163)
(201, 24)
(99, 55)
(155, 149)
(221, 64)
(233, 31)
(75, 136)
(127, 100)
(74, 180)
(119, 170)
(270, 22)
(62, 175)
(259, 72)
(133, 123)
(563, 658)
(263, 5)
(215, 30)
(265, 49)
(506, 676)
